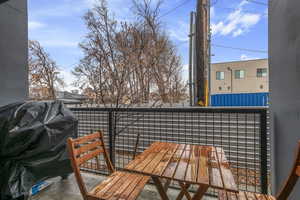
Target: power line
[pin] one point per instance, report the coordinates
(257, 2)
(173, 9)
(240, 49)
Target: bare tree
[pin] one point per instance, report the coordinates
(43, 73)
(124, 63)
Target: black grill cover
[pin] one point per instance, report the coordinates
(33, 145)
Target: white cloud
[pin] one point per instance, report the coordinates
(246, 57)
(35, 25)
(236, 23)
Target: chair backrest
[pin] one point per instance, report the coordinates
(292, 179)
(84, 149)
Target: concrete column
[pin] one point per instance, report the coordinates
(284, 52)
(13, 51)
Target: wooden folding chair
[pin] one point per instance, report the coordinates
(283, 193)
(119, 185)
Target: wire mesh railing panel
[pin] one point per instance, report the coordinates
(239, 132)
(90, 121)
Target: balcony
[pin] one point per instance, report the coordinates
(241, 132)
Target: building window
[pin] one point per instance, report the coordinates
(239, 74)
(261, 72)
(220, 75)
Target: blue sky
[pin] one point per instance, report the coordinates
(58, 26)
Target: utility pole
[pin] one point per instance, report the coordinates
(201, 68)
(209, 56)
(191, 58)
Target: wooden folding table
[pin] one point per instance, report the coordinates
(204, 166)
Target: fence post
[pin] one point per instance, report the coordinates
(111, 137)
(263, 152)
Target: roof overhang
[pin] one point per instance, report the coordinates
(2, 1)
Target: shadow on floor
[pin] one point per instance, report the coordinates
(68, 190)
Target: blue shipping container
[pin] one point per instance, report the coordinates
(240, 99)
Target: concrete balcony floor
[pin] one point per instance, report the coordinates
(68, 190)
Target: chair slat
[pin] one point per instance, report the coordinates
(108, 186)
(86, 138)
(87, 147)
(119, 185)
(129, 188)
(298, 171)
(104, 183)
(138, 188)
(119, 189)
(107, 194)
(89, 156)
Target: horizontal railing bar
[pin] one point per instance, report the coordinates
(190, 109)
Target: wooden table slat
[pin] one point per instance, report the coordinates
(172, 165)
(250, 196)
(182, 166)
(158, 157)
(144, 158)
(242, 196)
(149, 157)
(215, 172)
(226, 173)
(166, 159)
(261, 197)
(191, 172)
(203, 164)
(232, 196)
(141, 157)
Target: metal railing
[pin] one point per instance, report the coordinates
(241, 132)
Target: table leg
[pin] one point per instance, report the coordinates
(184, 191)
(200, 192)
(160, 188)
(167, 184)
